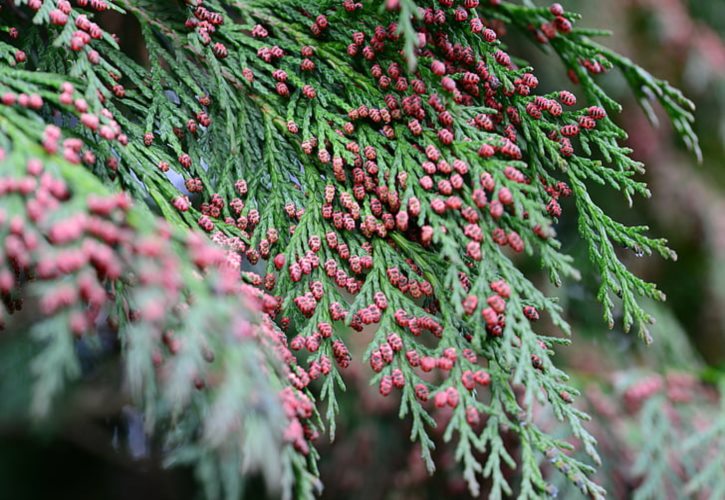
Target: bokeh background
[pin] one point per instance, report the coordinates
(646, 402)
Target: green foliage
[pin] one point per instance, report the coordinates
(353, 200)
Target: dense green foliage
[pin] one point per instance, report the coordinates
(377, 169)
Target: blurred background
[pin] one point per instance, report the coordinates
(646, 402)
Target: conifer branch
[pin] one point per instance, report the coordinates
(382, 165)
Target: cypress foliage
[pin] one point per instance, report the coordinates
(256, 182)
